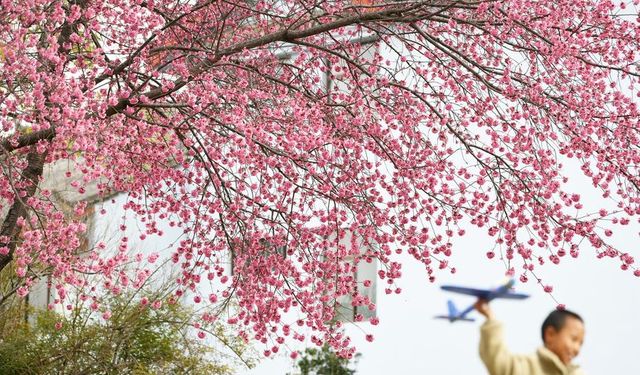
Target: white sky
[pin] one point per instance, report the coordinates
(409, 341)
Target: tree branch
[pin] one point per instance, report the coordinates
(26, 140)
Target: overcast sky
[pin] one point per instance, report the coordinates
(409, 341)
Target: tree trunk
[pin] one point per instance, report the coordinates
(10, 230)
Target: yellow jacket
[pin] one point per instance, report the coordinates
(499, 361)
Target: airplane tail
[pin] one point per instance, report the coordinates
(452, 308)
(454, 314)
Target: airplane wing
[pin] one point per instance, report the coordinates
(480, 293)
(454, 319)
(484, 293)
(510, 295)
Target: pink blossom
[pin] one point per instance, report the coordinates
(280, 177)
(369, 338)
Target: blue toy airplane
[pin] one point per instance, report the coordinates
(503, 291)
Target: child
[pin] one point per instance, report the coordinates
(562, 335)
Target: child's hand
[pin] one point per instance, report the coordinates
(483, 308)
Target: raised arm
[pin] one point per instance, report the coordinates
(493, 349)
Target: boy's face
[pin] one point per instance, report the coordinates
(566, 342)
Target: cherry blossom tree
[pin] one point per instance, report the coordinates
(266, 129)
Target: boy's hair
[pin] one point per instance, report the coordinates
(556, 319)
